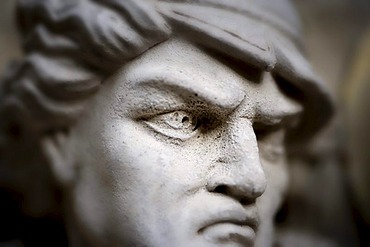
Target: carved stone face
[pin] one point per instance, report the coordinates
(177, 150)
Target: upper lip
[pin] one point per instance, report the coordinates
(240, 217)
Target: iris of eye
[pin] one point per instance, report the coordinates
(181, 120)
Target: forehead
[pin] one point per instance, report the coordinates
(177, 69)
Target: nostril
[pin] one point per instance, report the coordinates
(247, 201)
(222, 189)
(229, 191)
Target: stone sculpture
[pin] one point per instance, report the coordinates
(164, 123)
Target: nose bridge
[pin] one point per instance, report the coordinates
(244, 175)
(239, 142)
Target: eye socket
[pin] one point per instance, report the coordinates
(271, 141)
(177, 124)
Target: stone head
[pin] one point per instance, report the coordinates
(166, 123)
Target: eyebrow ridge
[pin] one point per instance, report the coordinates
(184, 89)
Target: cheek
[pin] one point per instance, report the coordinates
(278, 176)
(278, 180)
(152, 179)
(142, 169)
(133, 180)
(134, 165)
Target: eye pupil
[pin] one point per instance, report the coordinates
(185, 120)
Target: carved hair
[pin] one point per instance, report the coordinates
(71, 46)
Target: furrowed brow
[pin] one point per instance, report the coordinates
(227, 97)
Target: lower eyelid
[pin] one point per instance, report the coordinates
(168, 132)
(277, 149)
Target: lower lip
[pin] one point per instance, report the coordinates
(229, 232)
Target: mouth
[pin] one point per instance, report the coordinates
(232, 226)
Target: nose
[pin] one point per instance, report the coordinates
(238, 172)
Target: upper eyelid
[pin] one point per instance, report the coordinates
(188, 109)
(147, 116)
(197, 107)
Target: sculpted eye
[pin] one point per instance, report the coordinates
(177, 124)
(270, 141)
